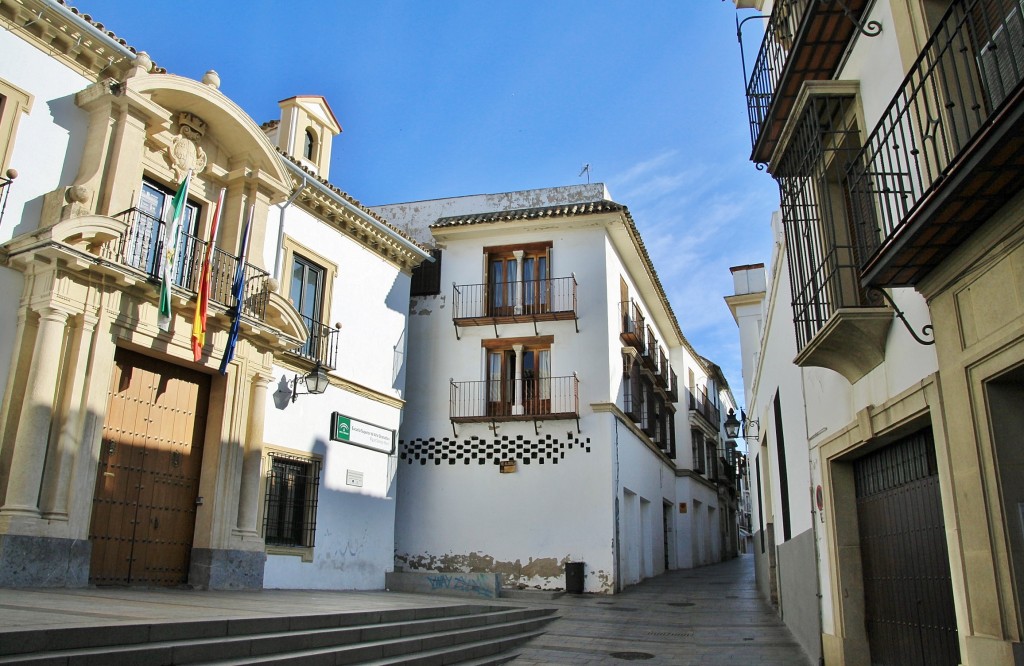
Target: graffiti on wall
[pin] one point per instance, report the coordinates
(471, 583)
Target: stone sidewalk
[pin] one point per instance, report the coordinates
(710, 615)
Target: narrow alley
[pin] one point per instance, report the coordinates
(710, 615)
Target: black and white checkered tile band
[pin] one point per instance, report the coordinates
(480, 451)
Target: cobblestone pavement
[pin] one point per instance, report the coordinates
(710, 615)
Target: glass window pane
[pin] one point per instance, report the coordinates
(295, 290)
(497, 278)
(510, 281)
(544, 373)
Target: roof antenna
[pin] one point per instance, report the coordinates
(585, 170)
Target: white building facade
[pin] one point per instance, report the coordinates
(883, 351)
(549, 418)
(123, 459)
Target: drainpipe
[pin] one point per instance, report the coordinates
(618, 587)
(88, 27)
(280, 231)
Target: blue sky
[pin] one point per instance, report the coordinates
(448, 98)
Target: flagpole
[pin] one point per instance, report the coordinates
(169, 248)
(238, 289)
(203, 289)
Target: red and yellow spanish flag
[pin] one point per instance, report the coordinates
(203, 290)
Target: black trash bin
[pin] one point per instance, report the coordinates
(574, 577)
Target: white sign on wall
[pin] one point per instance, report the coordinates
(360, 433)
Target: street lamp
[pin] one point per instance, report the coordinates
(733, 425)
(316, 382)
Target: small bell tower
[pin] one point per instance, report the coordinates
(305, 131)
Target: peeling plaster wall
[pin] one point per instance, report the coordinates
(456, 511)
(415, 217)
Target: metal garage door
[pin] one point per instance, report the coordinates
(908, 594)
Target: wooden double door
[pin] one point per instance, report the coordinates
(147, 480)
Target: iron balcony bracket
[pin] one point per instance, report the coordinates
(868, 29)
(927, 329)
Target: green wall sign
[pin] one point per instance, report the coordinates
(360, 433)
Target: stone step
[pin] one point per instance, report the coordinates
(449, 647)
(70, 638)
(331, 644)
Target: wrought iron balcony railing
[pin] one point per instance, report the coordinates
(803, 41)
(965, 84)
(663, 369)
(650, 352)
(321, 345)
(552, 298)
(701, 404)
(141, 248)
(633, 326)
(512, 399)
(673, 386)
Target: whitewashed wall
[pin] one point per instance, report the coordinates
(46, 154)
(531, 521)
(355, 524)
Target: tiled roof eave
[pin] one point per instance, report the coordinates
(372, 228)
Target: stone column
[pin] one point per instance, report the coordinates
(30, 442)
(53, 498)
(249, 487)
(518, 254)
(517, 407)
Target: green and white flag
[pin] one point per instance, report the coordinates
(169, 243)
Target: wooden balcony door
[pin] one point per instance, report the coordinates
(501, 390)
(534, 396)
(501, 286)
(147, 480)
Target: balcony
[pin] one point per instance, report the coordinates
(702, 406)
(633, 325)
(515, 400)
(949, 150)
(632, 394)
(650, 353)
(804, 40)
(553, 299)
(321, 345)
(673, 386)
(661, 378)
(141, 248)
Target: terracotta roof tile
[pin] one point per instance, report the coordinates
(352, 200)
(99, 26)
(570, 210)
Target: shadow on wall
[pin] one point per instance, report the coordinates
(398, 301)
(67, 115)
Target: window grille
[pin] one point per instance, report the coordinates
(816, 212)
(289, 517)
(698, 451)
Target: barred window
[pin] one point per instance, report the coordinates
(292, 485)
(816, 211)
(697, 438)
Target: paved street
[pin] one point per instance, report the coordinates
(710, 615)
